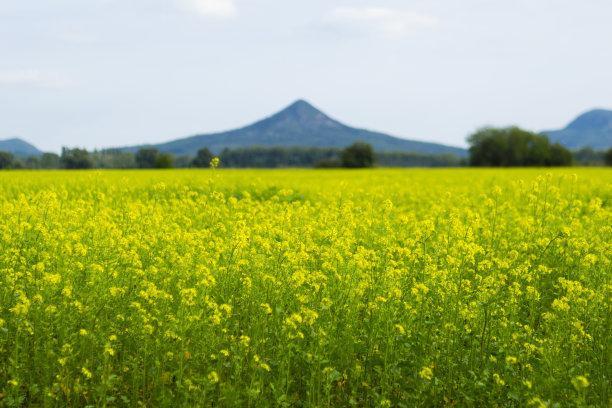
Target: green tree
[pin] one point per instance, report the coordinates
(113, 159)
(182, 161)
(164, 161)
(274, 157)
(411, 159)
(559, 156)
(358, 155)
(31, 162)
(515, 147)
(608, 157)
(49, 161)
(75, 159)
(589, 157)
(203, 158)
(7, 160)
(146, 158)
(328, 163)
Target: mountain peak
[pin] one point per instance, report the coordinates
(590, 129)
(302, 114)
(301, 108)
(301, 104)
(596, 119)
(19, 147)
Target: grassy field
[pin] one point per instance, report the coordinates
(306, 288)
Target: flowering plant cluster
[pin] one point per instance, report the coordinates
(306, 288)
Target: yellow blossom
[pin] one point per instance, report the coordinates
(426, 373)
(213, 377)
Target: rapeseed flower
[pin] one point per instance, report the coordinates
(251, 288)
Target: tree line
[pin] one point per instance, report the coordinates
(354, 156)
(493, 147)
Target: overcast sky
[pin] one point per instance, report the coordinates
(99, 73)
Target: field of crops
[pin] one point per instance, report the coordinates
(306, 288)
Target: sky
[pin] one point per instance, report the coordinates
(101, 73)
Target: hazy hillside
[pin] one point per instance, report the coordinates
(300, 124)
(593, 129)
(19, 147)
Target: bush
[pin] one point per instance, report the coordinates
(164, 161)
(358, 155)
(203, 158)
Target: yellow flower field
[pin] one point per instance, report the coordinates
(404, 288)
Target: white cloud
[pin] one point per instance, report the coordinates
(212, 8)
(30, 78)
(386, 21)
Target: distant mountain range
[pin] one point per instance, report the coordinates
(303, 125)
(19, 148)
(593, 129)
(300, 124)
